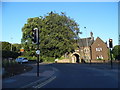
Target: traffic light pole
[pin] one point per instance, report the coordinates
(38, 61)
(38, 50)
(111, 58)
(35, 40)
(111, 46)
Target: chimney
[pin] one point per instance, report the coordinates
(91, 34)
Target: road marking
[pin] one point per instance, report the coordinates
(54, 69)
(31, 84)
(46, 82)
(38, 80)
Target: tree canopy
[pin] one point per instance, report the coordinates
(6, 46)
(6, 50)
(57, 32)
(116, 52)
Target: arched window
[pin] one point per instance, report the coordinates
(86, 50)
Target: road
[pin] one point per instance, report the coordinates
(81, 76)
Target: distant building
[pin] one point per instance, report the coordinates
(99, 50)
(90, 49)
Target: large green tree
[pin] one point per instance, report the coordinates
(116, 52)
(57, 32)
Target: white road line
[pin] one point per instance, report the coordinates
(54, 69)
(46, 82)
(31, 83)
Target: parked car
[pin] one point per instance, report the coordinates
(21, 60)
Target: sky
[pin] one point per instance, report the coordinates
(99, 17)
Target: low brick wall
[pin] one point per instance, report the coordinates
(63, 61)
(92, 61)
(99, 61)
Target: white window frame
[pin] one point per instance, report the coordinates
(99, 49)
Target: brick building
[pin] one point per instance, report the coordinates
(90, 49)
(99, 50)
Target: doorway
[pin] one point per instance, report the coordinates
(77, 58)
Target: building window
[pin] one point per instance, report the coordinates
(100, 57)
(86, 50)
(99, 49)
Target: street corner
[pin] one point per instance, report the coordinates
(49, 76)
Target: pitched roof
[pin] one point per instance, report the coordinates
(85, 42)
(98, 38)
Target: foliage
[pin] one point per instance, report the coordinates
(63, 58)
(57, 32)
(6, 63)
(47, 59)
(116, 52)
(16, 47)
(9, 54)
(99, 59)
(6, 46)
(29, 57)
(6, 50)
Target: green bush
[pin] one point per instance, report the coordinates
(41, 58)
(9, 54)
(29, 57)
(6, 62)
(62, 58)
(47, 59)
(99, 59)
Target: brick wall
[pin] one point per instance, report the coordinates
(103, 52)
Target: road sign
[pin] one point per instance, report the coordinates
(38, 52)
(22, 50)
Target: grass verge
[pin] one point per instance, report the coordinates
(16, 69)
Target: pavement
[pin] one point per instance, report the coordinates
(29, 79)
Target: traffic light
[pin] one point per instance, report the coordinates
(35, 36)
(110, 43)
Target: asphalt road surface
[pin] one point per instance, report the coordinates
(81, 76)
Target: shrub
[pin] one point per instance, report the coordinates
(9, 54)
(29, 57)
(7, 62)
(47, 59)
(99, 59)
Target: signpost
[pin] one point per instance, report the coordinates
(38, 52)
(22, 50)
